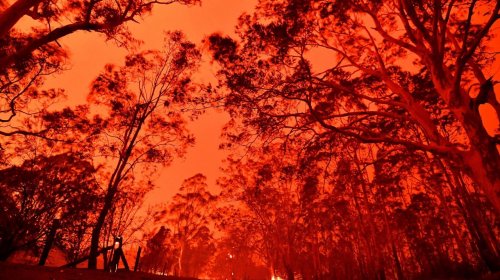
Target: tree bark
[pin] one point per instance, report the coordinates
(482, 161)
(14, 13)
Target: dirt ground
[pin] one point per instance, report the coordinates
(29, 272)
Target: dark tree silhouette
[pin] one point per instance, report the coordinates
(364, 90)
(40, 190)
(144, 122)
(59, 19)
(27, 55)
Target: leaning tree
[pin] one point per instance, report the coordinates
(143, 125)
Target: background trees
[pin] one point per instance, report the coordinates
(41, 190)
(401, 219)
(159, 256)
(189, 216)
(186, 246)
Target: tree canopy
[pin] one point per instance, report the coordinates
(355, 143)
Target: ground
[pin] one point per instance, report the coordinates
(29, 272)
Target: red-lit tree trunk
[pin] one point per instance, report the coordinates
(378, 261)
(96, 231)
(179, 258)
(482, 160)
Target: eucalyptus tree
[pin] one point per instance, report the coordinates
(189, 216)
(391, 72)
(143, 125)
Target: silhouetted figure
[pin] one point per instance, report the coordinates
(117, 255)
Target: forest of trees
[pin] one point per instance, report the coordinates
(356, 145)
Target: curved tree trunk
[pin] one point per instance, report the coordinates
(10, 16)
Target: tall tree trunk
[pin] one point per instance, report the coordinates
(366, 249)
(49, 242)
(130, 138)
(395, 257)
(374, 243)
(96, 231)
(397, 262)
(482, 161)
(179, 261)
(436, 169)
(290, 275)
